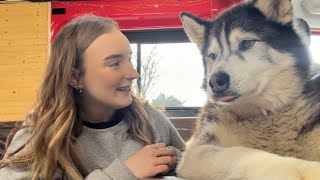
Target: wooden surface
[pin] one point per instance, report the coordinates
(24, 40)
(184, 125)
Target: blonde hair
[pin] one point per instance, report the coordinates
(55, 122)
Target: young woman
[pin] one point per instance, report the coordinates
(86, 124)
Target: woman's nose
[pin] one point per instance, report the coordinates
(132, 73)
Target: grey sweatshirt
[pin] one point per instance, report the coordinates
(104, 151)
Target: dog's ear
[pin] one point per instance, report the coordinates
(194, 27)
(280, 11)
(303, 30)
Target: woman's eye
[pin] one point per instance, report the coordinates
(212, 56)
(115, 64)
(246, 44)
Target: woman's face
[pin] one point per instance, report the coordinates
(108, 72)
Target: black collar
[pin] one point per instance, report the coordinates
(115, 119)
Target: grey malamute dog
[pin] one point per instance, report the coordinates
(262, 117)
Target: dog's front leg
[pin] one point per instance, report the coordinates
(212, 162)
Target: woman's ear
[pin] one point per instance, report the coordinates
(74, 79)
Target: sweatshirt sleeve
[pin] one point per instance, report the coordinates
(15, 171)
(176, 142)
(117, 170)
(167, 132)
(12, 172)
(175, 139)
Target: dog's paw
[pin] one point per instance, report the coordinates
(287, 171)
(264, 166)
(212, 162)
(194, 163)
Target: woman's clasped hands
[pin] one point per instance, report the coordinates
(152, 160)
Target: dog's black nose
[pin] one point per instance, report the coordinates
(219, 82)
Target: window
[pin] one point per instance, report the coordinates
(314, 48)
(171, 70)
(171, 74)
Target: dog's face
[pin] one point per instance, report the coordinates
(248, 46)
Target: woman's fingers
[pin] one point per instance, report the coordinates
(167, 160)
(159, 145)
(164, 152)
(161, 169)
(151, 160)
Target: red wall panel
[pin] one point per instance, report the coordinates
(136, 14)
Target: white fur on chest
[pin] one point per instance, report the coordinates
(277, 133)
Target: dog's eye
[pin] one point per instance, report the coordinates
(246, 44)
(212, 56)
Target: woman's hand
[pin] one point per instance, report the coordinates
(152, 160)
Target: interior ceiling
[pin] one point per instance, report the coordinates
(164, 14)
(136, 14)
